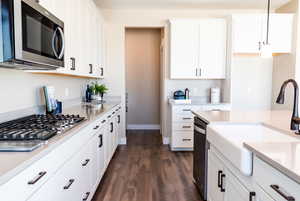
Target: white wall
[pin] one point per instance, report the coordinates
(251, 84)
(284, 66)
(117, 20)
(21, 90)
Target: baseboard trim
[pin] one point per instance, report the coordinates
(123, 141)
(166, 140)
(143, 127)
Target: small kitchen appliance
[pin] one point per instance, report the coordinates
(179, 95)
(31, 38)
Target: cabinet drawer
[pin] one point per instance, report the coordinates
(183, 140)
(189, 126)
(183, 117)
(187, 110)
(274, 183)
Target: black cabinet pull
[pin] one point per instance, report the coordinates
(186, 110)
(251, 196)
(101, 141)
(222, 182)
(282, 193)
(71, 181)
(91, 68)
(87, 194)
(119, 119)
(96, 127)
(102, 71)
(86, 162)
(186, 127)
(73, 63)
(184, 140)
(185, 118)
(103, 121)
(109, 116)
(114, 113)
(219, 178)
(111, 127)
(37, 178)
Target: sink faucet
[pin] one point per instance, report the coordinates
(295, 122)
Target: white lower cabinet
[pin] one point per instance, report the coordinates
(223, 185)
(181, 124)
(73, 170)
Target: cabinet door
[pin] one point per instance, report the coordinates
(100, 153)
(184, 49)
(261, 195)
(281, 32)
(247, 33)
(235, 191)
(215, 171)
(212, 50)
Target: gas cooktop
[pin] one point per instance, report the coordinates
(33, 130)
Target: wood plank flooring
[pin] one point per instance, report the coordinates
(145, 170)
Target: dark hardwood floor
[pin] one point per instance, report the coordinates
(145, 170)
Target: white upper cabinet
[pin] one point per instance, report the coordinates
(198, 49)
(184, 49)
(83, 36)
(249, 32)
(212, 48)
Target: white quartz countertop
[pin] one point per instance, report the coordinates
(284, 156)
(196, 102)
(13, 163)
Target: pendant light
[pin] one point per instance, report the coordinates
(266, 49)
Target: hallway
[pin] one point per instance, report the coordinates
(145, 170)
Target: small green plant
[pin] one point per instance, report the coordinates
(98, 89)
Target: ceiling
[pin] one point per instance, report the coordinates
(185, 4)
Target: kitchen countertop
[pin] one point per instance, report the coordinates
(284, 156)
(13, 163)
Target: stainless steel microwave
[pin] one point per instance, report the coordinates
(31, 38)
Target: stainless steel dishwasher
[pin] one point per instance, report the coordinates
(200, 157)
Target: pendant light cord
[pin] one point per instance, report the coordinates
(268, 22)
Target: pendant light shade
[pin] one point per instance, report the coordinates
(266, 49)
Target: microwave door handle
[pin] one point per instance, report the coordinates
(63, 43)
(53, 43)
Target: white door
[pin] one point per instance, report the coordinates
(212, 49)
(235, 191)
(184, 49)
(247, 33)
(215, 171)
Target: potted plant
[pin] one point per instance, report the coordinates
(98, 91)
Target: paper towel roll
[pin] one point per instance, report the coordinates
(215, 95)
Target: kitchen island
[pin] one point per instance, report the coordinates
(275, 161)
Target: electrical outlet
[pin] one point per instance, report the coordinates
(67, 92)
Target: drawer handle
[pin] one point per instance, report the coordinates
(96, 127)
(101, 141)
(251, 196)
(186, 110)
(186, 127)
(186, 140)
(71, 181)
(37, 178)
(86, 162)
(109, 116)
(111, 127)
(281, 192)
(223, 176)
(185, 118)
(119, 119)
(114, 113)
(103, 121)
(219, 178)
(87, 195)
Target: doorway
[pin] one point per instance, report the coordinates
(143, 75)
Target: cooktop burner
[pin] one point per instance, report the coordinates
(37, 127)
